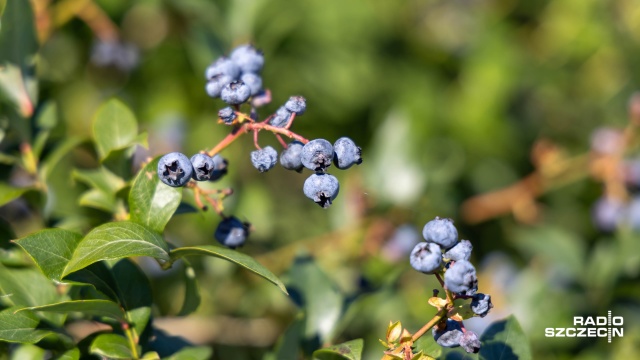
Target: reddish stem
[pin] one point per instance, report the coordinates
(255, 139)
(282, 142)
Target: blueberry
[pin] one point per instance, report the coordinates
(227, 115)
(461, 278)
(607, 213)
(223, 66)
(449, 336)
(481, 304)
(426, 257)
(174, 169)
(460, 251)
(254, 81)
(470, 342)
(232, 232)
(264, 159)
(216, 84)
(248, 58)
(235, 93)
(290, 157)
(203, 167)
(317, 155)
(441, 232)
(346, 153)
(321, 188)
(219, 167)
(281, 117)
(296, 104)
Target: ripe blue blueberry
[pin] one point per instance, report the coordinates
(281, 117)
(296, 104)
(346, 153)
(235, 93)
(426, 257)
(223, 66)
(470, 342)
(227, 115)
(254, 81)
(449, 336)
(248, 58)
(321, 188)
(460, 251)
(216, 83)
(264, 159)
(441, 232)
(174, 169)
(461, 278)
(219, 167)
(317, 155)
(290, 157)
(232, 232)
(481, 304)
(203, 167)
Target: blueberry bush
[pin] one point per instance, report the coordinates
(190, 179)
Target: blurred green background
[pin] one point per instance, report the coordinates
(447, 99)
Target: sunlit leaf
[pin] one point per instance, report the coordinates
(151, 202)
(234, 256)
(117, 240)
(111, 346)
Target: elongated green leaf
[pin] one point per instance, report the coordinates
(20, 327)
(152, 203)
(114, 241)
(134, 292)
(104, 308)
(318, 297)
(428, 346)
(351, 350)
(114, 128)
(8, 193)
(51, 250)
(29, 287)
(505, 340)
(191, 292)
(111, 346)
(241, 259)
(3, 3)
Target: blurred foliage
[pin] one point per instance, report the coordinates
(447, 99)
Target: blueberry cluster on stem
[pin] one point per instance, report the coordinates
(443, 255)
(235, 79)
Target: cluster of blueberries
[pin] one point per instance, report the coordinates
(235, 79)
(441, 251)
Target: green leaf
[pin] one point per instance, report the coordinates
(505, 340)
(288, 345)
(51, 250)
(317, 295)
(151, 202)
(104, 186)
(114, 128)
(97, 275)
(428, 346)
(9, 193)
(351, 350)
(28, 287)
(114, 241)
(234, 256)
(73, 354)
(3, 3)
(191, 291)
(106, 308)
(192, 353)
(18, 46)
(134, 292)
(111, 346)
(20, 327)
